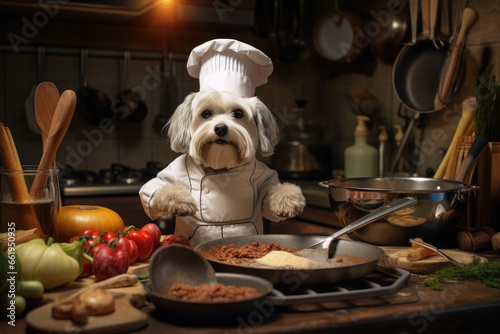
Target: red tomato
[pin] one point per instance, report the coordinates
(87, 269)
(175, 239)
(108, 263)
(94, 234)
(129, 246)
(154, 231)
(91, 246)
(144, 243)
(108, 236)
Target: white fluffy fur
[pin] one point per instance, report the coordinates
(256, 131)
(189, 132)
(175, 200)
(286, 200)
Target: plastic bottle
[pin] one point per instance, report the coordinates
(361, 159)
(383, 151)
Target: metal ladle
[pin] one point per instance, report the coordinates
(330, 244)
(179, 264)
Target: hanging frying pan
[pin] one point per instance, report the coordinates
(426, 73)
(417, 68)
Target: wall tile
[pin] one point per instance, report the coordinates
(316, 80)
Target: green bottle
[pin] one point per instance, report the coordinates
(361, 159)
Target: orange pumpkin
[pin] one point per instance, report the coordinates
(73, 219)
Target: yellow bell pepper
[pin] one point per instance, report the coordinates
(47, 263)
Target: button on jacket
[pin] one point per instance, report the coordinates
(230, 203)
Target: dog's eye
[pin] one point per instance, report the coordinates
(206, 114)
(238, 113)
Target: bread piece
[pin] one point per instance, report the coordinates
(98, 301)
(92, 302)
(417, 252)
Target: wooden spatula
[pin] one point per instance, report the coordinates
(46, 99)
(58, 127)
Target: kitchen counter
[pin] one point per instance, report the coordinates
(461, 307)
(101, 190)
(314, 194)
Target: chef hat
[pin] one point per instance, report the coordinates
(229, 65)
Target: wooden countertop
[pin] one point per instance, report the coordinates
(461, 307)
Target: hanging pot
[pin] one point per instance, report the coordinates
(339, 37)
(394, 31)
(169, 93)
(94, 104)
(129, 104)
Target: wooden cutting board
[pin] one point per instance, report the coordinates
(396, 257)
(125, 318)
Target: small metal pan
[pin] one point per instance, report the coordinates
(290, 277)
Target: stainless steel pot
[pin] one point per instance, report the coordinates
(297, 160)
(441, 206)
(295, 278)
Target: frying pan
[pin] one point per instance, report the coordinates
(417, 68)
(289, 277)
(207, 310)
(416, 74)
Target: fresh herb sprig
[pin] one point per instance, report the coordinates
(486, 273)
(487, 116)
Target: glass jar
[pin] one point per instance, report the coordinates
(21, 211)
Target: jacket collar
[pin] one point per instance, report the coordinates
(192, 167)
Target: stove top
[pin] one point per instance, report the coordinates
(384, 286)
(118, 179)
(123, 180)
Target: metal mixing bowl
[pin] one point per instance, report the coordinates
(442, 206)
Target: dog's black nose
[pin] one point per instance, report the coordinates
(220, 130)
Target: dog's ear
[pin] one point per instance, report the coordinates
(267, 128)
(179, 125)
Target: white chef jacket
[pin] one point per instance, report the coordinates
(230, 203)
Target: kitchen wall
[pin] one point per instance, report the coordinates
(324, 84)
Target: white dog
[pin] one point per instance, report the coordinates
(218, 188)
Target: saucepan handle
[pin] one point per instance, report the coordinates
(468, 189)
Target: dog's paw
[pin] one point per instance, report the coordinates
(175, 199)
(286, 200)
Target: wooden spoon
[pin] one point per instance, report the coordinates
(452, 66)
(46, 99)
(59, 125)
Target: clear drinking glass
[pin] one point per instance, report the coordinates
(21, 211)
